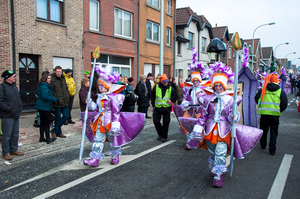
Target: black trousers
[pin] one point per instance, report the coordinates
(267, 121)
(161, 129)
(71, 100)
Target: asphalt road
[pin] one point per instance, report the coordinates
(151, 169)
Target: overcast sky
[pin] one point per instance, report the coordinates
(245, 16)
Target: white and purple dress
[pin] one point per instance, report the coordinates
(106, 117)
(215, 124)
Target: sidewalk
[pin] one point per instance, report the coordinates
(29, 138)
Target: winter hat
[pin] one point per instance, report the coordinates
(219, 73)
(87, 72)
(195, 67)
(68, 70)
(130, 79)
(7, 74)
(272, 78)
(164, 78)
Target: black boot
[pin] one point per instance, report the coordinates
(48, 139)
(42, 130)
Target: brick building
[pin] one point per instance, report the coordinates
(44, 38)
(113, 26)
(150, 37)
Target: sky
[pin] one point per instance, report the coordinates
(245, 16)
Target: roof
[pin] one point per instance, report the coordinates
(221, 32)
(203, 19)
(181, 38)
(184, 16)
(249, 42)
(266, 52)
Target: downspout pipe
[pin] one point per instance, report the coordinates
(13, 34)
(138, 49)
(175, 41)
(162, 28)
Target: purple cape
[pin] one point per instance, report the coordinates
(245, 140)
(131, 125)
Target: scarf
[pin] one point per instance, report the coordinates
(146, 89)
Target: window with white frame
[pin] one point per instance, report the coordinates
(229, 53)
(179, 48)
(119, 64)
(50, 10)
(191, 38)
(123, 23)
(169, 7)
(203, 47)
(154, 2)
(94, 15)
(168, 39)
(152, 32)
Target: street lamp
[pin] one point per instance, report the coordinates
(294, 59)
(289, 54)
(287, 43)
(267, 24)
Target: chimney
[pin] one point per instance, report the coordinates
(216, 25)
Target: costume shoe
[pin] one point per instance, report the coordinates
(187, 147)
(94, 162)
(115, 160)
(218, 181)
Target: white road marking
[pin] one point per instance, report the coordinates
(280, 180)
(124, 160)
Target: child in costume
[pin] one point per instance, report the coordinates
(107, 123)
(191, 92)
(212, 130)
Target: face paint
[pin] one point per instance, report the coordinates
(102, 88)
(196, 83)
(218, 88)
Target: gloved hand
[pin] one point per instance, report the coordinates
(57, 102)
(114, 131)
(197, 136)
(185, 105)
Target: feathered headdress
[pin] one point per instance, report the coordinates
(197, 65)
(107, 76)
(283, 71)
(245, 60)
(219, 73)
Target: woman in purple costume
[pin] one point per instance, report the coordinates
(212, 130)
(107, 123)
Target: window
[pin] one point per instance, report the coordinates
(203, 49)
(229, 53)
(154, 2)
(50, 10)
(123, 23)
(169, 7)
(191, 38)
(179, 48)
(168, 39)
(152, 31)
(121, 65)
(94, 15)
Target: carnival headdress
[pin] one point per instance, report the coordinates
(196, 66)
(107, 76)
(219, 73)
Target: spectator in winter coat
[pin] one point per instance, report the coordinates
(293, 84)
(60, 91)
(72, 90)
(149, 87)
(142, 93)
(43, 105)
(10, 111)
(130, 97)
(83, 92)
